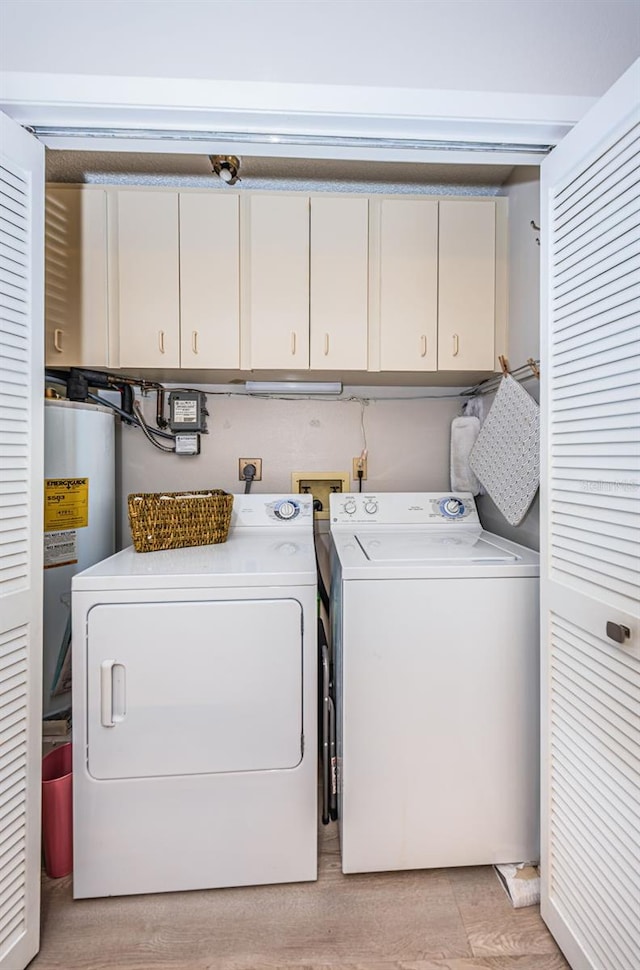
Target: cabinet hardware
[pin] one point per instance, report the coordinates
(618, 631)
(161, 341)
(194, 341)
(293, 342)
(326, 344)
(57, 340)
(423, 346)
(456, 345)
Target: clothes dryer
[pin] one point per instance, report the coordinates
(194, 691)
(435, 632)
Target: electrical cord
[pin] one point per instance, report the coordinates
(248, 473)
(147, 431)
(360, 475)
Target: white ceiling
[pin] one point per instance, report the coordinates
(265, 173)
(563, 47)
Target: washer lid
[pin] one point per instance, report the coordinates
(429, 547)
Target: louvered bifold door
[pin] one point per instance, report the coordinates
(591, 536)
(21, 446)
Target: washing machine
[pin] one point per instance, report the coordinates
(436, 639)
(195, 724)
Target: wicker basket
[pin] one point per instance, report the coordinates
(170, 520)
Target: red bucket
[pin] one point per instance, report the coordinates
(57, 812)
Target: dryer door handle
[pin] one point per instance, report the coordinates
(113, 701)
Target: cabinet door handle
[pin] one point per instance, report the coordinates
(161, 341)
(423, 346)
(57, 340)
(293, 342)
(326, 344)
(456, 345)
(194, 341)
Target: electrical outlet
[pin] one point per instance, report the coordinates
(359, 464)
(243, 462)
(320, 485)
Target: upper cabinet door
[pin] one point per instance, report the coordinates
(339, 283)
(145, 243)
(408, 285)
(466, 285)
(209, 280)
(276, 281)
(76, 308)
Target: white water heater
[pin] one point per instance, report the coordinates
(79, 525)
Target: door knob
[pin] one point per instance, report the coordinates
(618, 632)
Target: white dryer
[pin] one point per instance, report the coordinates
(435, 630)
(194, 697)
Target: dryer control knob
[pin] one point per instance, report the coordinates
(286, 509)
(350, 506)
(452, 508)
(371, 506)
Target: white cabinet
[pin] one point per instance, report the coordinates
(143, 278)
(438, 284)
(76, 307)
(209, 280)
(305, 282)
(143, 239)
(339, 283)
(176, 292)
(275, 270)
(408, 284)
(466, 285)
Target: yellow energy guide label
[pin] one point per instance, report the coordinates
(66, 503)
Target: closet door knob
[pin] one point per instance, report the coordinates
(423, 346)
(293, 342)
(57, 340)
(618, 632)
(456, 345)
(194, 341)
(161, 341)
(326, 344)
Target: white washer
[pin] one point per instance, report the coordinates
(435, 629)
(194, 697)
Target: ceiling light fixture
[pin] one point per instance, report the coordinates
(226, 167)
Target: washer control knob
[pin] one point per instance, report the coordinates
(452, 508)
(350, 506)
(371, 506)
(286, 509)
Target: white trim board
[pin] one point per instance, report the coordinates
(146, 110)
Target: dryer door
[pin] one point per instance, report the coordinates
(194, 687)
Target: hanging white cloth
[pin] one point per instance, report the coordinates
(464, 433)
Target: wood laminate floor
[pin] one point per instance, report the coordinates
(441, 919)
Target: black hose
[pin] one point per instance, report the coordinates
(322, 589)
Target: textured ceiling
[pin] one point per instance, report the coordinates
(269, 173)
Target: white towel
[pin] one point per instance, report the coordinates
(506, 456)
(464, 432)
